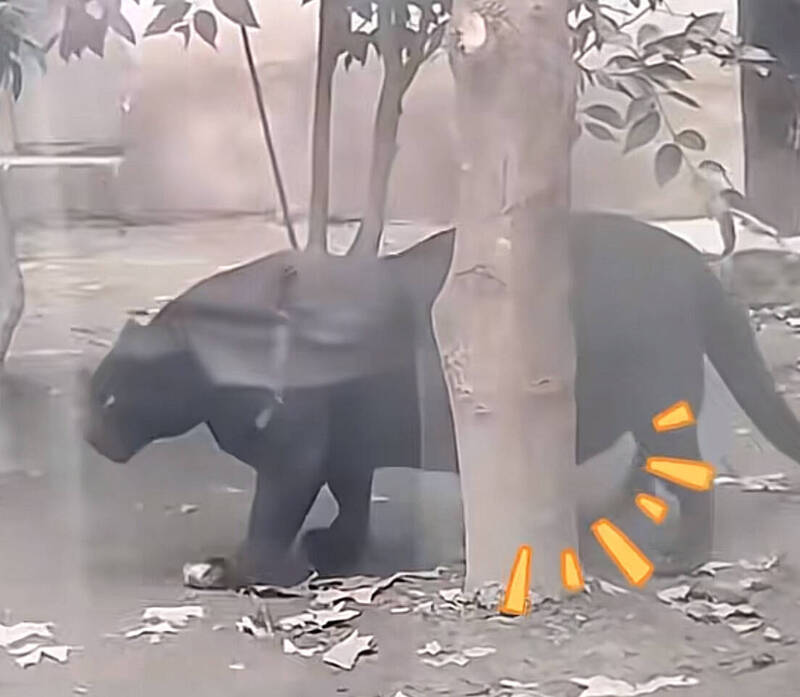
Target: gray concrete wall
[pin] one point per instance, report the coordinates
(193, 142)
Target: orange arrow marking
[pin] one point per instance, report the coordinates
(516, 598)
(691, 474)
(630, 560)
(653, 507)
(679, 415)
(571, 573)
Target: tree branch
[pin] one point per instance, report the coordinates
(262, 113)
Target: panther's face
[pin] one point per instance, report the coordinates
(146, 388)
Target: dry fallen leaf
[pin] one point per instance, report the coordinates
(453, 658)
(450, 595)
(764, 482)
(345, 654)
(290, 648)
(159, 628)
(479, 651)
(247, 625)
(57, 653)
(25, 648)
(674, 594)
(711, 568)
(363, 589)
(754, 584)
(432, 648)
(772, 634)
(236, 666)
(762, 564)
(602, 686)
(10, 634)
(178, 616)
(319, 618)
(610, 588)
(517, 685)
(746, 626)
(444, 657)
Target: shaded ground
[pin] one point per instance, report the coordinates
(88, 544)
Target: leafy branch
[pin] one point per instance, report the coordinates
(647, 70)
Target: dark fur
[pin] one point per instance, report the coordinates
(646, 310)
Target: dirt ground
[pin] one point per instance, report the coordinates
(87, 544)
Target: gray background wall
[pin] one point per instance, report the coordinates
(193, 143)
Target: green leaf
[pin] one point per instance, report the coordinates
(668, 163)
(668, 71)
(683, 98)
(643, 131)
(599, 132)
(607, 114)
(623, 62)
(672, 45)
(604, 80)
(638, 108)
(121, 26)
(167, 18)
(609, 32)
(691, 139)
(185, 31)
(647, 33)
(238, 11)
(705, 25)
(205, 24)
(754, 54)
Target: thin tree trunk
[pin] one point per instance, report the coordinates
(384, 149)
(502, 320)
(12, 290)
(273, 157)
(327, 54)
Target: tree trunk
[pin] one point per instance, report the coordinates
(771, 113)
(384, 148)
(502, 320)
(327, 55)
(12, 290)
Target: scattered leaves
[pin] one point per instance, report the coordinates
(345, 654)
(602, 686)
(11, 634)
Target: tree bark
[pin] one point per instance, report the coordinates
(327, 55)
(12, 290)
(384, 148)
(502, 320)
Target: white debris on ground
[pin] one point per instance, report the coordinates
(32, 652)
(439, 656)
(602, 686)
(776, 483)
(176, 615)
(710, 600)
(160, 621)
(345, 653)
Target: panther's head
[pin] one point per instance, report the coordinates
(147, 387)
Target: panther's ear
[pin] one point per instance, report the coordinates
(149, 342)
(423, 268)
